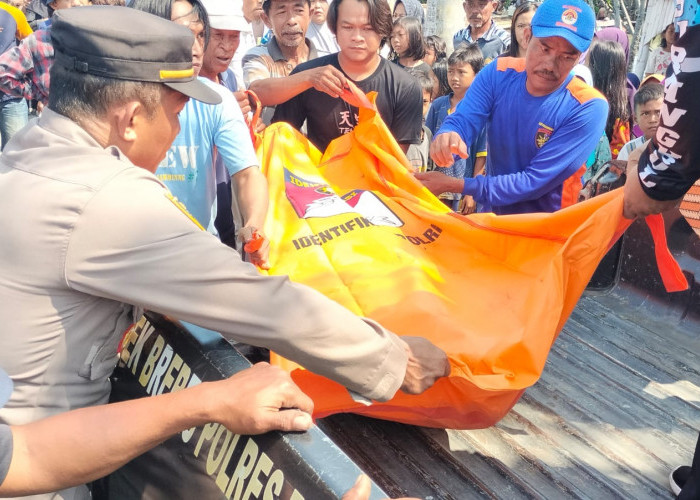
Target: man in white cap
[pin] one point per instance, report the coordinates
(206, 134)
(225, 27)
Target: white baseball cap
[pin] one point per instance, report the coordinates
(5, 387)
(226, 15)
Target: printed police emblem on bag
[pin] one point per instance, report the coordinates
(312, 199)
(543, 134)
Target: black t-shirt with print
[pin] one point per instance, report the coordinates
(399, 101)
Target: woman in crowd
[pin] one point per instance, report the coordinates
(660, 58)
(319, 32)
(614, 34)
(519, 33)
(606, 60)
(409, 8)
(408, 47)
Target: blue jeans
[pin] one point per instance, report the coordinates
(14, 114)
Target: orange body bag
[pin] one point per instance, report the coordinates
(492, 291)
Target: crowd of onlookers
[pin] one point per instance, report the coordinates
(297, 58)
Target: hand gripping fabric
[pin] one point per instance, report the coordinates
(492, 291)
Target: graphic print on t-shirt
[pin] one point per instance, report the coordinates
(346, 120)
(317, 199)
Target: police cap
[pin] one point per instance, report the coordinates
(127, 44)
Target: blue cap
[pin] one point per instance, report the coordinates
(572, 20)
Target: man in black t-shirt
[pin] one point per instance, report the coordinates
(360, 26)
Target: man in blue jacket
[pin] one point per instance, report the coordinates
(542, 122)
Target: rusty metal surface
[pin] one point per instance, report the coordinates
(617, 407)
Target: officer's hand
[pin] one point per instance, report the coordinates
(444, 146)
(327, 79)
(636, 202)
(361, 490)
(256, 246)
(258, 400)
(426, 364)
(439, 183)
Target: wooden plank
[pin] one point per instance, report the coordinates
(617, 407)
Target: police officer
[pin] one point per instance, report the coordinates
(87, 235)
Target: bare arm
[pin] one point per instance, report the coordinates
(637, 202)
(273, 91)
(479, 165)
(438, 183)
(253, 200)
(81, 445)
(467, 204)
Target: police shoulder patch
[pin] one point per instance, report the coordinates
(543, 134)
(182, 208)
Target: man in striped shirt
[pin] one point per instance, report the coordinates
(482, 29)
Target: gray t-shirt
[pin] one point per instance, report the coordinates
(5, 450)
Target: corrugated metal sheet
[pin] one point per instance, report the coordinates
(618, 406)
(658, 15)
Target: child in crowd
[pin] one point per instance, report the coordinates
(408, 46)
(463, 65)
(419, 154)
(440, 71)
(660, 58)
(435, 49)
(654, 78)
(647, 110)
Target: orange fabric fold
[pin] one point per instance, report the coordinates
(492, 291)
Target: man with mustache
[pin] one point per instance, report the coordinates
(482, 29)
(542, 122)
(265, 66)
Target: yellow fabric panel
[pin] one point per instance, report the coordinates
(23, 28)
